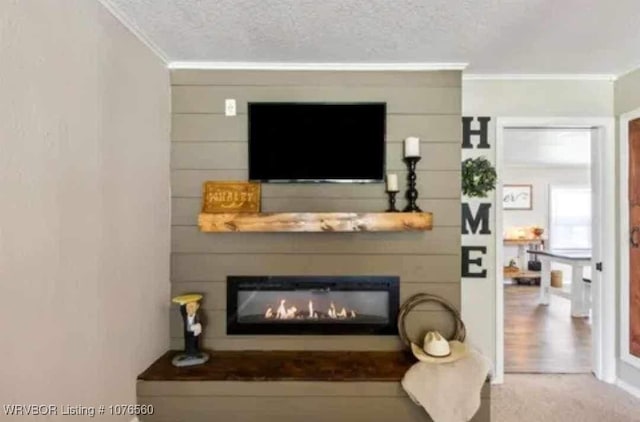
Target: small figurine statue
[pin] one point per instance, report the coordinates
(189, 305)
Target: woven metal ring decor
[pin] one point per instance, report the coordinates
(460, 331)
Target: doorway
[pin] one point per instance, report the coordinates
(547, 207)
(549, 330)
(629, 239)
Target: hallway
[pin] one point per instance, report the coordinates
(543, 339)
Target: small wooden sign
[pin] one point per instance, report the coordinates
(226, 197)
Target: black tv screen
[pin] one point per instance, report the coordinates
(317, 142)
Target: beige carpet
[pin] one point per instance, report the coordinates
(562, 398)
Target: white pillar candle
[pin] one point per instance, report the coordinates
(392, 182)
(412, 147)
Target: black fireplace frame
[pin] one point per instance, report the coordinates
(390, 284)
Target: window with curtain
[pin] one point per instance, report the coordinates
(570, 217)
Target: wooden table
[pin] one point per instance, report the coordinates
(522, 245)
(579, 294)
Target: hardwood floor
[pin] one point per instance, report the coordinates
(543, 339)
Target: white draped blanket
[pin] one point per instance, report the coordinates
(449, 392)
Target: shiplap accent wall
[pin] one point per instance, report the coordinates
(286, 401)
(207, 145)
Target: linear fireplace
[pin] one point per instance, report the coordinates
(312, 305)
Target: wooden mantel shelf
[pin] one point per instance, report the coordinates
(285, 366)
(316, 222)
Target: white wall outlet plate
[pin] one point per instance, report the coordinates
(230, 107)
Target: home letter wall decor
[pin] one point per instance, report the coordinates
(481, 218)
(474, 250)
(468, 260)
(482, 133)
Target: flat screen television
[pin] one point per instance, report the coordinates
(317, 142)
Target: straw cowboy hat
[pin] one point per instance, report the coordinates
(188, 298)
(437, 349)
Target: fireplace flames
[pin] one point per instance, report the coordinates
(284, 312)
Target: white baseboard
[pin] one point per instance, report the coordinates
(633, 390)
(497, 380)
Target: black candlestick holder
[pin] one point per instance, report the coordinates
(392, 201)
(412, 192)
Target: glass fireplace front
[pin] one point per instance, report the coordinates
(312, 305)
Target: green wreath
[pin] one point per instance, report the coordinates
(478, 177)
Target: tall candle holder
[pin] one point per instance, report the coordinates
(392, 201)
(412, 192)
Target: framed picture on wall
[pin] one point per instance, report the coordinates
(517, 197)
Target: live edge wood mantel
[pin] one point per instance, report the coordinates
(316, 222)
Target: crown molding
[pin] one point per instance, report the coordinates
(410, 66)
(628, 71)
(134, 29)
(539, 77)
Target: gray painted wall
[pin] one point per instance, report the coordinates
(206, 145)
(84, 220)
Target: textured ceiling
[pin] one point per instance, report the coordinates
(493, 36)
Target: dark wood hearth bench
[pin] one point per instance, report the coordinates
(285, 386)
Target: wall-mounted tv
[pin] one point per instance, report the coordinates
(317, 142)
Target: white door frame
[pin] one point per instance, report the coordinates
(625, 356)
(604, 293)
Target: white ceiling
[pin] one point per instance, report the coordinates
(535, 147)
(493, 36)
